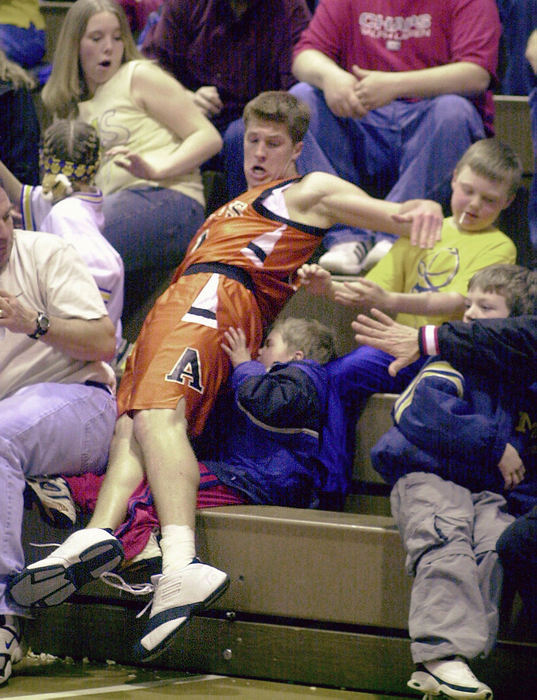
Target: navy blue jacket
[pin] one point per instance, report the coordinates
(271, 451)
(458, 427)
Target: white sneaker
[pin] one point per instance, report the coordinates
(346, 258)
(177, 596)
(54, 500)
(11, 648)
(377, 252)
(449, 677)
(83, 557)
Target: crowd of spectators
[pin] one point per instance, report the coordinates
(384, 108)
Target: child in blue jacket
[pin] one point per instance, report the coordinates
(271, 452)
(462, 461)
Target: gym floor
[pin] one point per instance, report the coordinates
(42, 678)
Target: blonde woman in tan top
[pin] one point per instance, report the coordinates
(153, 138)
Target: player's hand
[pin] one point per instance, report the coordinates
(207, 99)
(511, 467)
(384, 333)
(426, 219)
(235, 346)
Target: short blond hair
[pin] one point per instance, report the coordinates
(67, 86)
(494, 160)
(314, 339)
(281, 107)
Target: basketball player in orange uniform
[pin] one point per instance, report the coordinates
(239, 271)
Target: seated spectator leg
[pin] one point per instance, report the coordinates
(532, 206)
(435, 519)
(491, 519)
(517, 548)
(233, 151)
(151, 227)
(338, 146)
(365, 372)
(46, 429)
(519, 19)
(437, 133)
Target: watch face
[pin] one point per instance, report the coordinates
(43, 323)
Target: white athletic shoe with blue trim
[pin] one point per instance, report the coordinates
(450, 678)
(82, 558)
(178, 594)
(11, 648)
(54, 500)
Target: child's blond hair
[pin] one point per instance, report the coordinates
(314, 339)
(71, 156)
(494, 160)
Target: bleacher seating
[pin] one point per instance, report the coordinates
(316, 597)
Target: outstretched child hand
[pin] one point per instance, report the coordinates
(511, 467)
(362, 293)
(235, 346)
(316, 279)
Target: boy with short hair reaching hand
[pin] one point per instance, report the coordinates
(460, 455)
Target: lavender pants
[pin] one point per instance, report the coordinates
(46, 429)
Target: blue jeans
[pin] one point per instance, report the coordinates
(401, 151)
(532, 204)
(151, 227)
(519, 19)
(24, 46)
(46, 429)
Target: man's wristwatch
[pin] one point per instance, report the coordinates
(42, 324)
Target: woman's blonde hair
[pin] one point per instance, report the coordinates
(11, 72)
(67, 86)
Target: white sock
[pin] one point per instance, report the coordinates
(178, 546)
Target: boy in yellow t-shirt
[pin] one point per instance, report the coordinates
(420, 286)
(429, 286)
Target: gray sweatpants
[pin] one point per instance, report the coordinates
(450, 535)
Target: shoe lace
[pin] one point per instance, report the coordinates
(45, 544)
(116, 581)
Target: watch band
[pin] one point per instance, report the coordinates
(42, 324)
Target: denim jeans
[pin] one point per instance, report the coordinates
(532, 204)
(151, 227)
(519, 19)
(46, 429)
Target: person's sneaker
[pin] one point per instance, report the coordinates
(346, 258)
(53, 498)
(83, 557)
(448, 677)
(177, 596)
(377, 252)
(11, 648)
